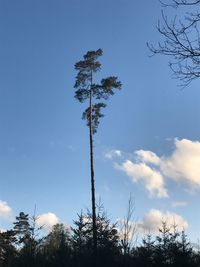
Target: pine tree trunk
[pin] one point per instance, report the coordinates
(92, 175)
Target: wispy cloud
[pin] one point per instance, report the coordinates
(61, 145)
(147, 157)
(112, 153)
(179, 204)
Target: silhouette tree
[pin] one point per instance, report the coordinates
(181, 40)
(145, 253)
(24, 240)
(8, 251)
(56, 246)
(162, 247)
(183, 254)
(107, 239)
(80, 233)
(63, 247)
(87, 89)
(22, 229)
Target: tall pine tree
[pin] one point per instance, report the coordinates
(88, 89)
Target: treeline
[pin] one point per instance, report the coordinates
(25, 246)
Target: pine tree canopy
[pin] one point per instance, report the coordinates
(86, 87)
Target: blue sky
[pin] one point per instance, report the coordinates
(43, 141)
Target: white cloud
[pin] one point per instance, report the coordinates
(47, 220)
(5, 209)
(183, 165)
(152, 179)
(148, 157)
(153, 220)
(178, 204)
(110, 154)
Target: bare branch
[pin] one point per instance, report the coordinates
(128, 227)
(177, 3)
(181, 42)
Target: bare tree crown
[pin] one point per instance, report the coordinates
(181, 40)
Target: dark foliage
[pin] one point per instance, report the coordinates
(86, 88)
(65, 247)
